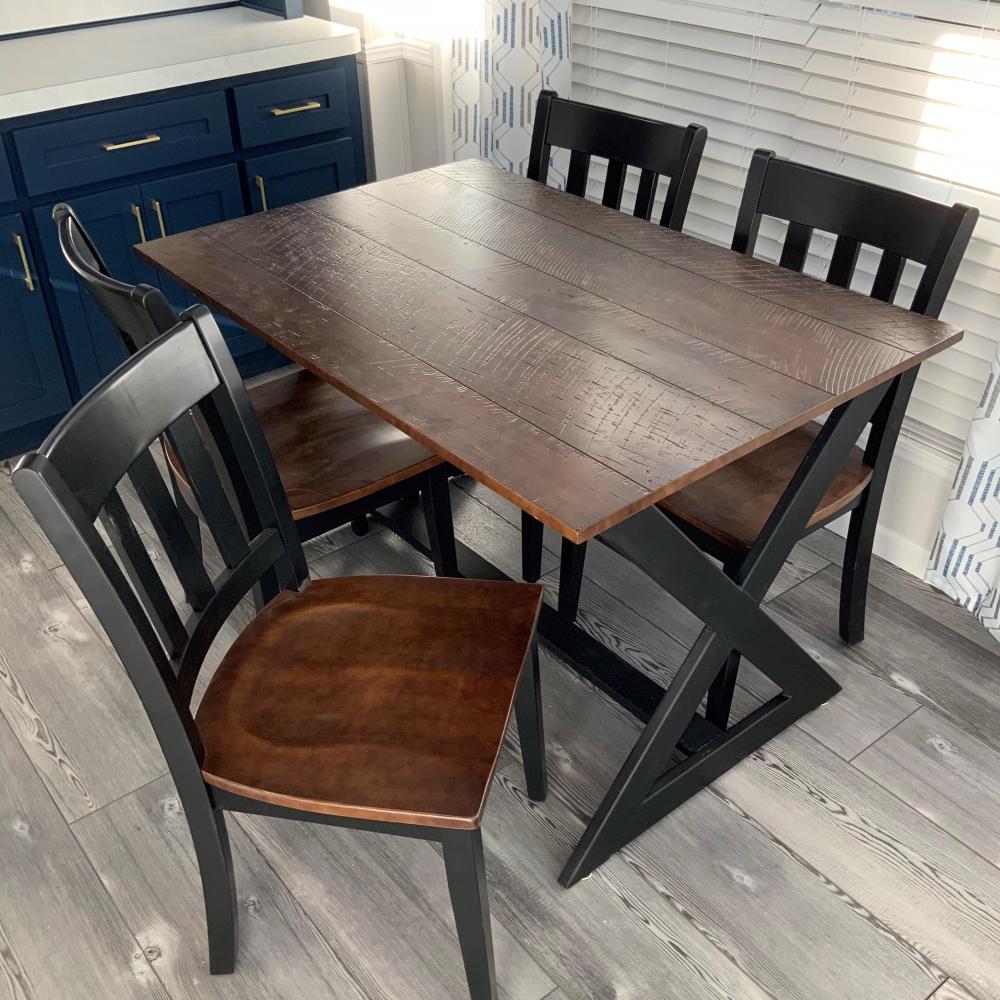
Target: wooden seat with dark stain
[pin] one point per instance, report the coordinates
(733, 504)
(329, 450)
(373, 697)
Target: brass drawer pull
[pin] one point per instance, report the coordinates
(137, 212)
(159, 217)
(112, 146)
(28, 280)
(259, 181)
(308, 106)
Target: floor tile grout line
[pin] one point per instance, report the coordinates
(992, 862)
(118, 798)
(878, 739)
(69, 826)
(125, 923)
(307, 916)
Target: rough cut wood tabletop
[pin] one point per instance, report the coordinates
(581, 362)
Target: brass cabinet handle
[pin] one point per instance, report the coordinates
(308, 106)
(259, 181)
(28, 280)
(159, 217)
(110, 147)
(137, 212)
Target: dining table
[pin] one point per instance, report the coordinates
(584, 364)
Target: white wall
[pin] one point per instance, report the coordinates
(41, 15)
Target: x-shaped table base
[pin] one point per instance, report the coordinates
(649, 785)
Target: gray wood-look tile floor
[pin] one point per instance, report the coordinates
(856, 857)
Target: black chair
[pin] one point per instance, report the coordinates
(363, 702)
(725, 512)
(656, 148)
(337, 460)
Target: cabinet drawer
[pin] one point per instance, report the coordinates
(292, 106)
(6, 180)
(294, 175)
(121, 143)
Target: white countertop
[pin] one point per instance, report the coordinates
(66, 68)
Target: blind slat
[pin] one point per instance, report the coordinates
(906, 95)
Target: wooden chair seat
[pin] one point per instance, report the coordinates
(329, 450)
(733, 504)
(372, 697)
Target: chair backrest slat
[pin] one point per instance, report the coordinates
(579, 168)
(177, 543)
(890, 270)
(793, 253)
(614, 184)
(145, 580)
(73, 480)
(843, 261)
(903, 226)
(656, 148)
(645, 195)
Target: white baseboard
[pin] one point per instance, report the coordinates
(920, 479)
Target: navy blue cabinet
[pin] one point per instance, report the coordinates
(189, 201)
(116, 221)
(296, 106)
(32, 384)
(115, 144)
(300, 174)
(6, 180)
(139, 168)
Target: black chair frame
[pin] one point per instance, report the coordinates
(141, 313)
(180, 385)
(904, 227)
(656, 148)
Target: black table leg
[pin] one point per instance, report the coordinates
(571, 578)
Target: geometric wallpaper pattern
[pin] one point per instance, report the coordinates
(965, 560)
(496, 76)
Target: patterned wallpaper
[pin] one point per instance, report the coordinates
(496, 77)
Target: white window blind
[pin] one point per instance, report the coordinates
(906, 95)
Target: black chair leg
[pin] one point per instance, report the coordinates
(530, 727)
(359, 525)
(215, 862)
(571, 578)
(857, 565)
(440, 530)
(531, 547)
(463, 860)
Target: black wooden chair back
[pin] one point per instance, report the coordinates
(138, 313)
(73, 481)
(903, 226)
(656, 148)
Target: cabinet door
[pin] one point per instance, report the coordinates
(115, 221)
(32, 382)
(187, 202)
(300, 174)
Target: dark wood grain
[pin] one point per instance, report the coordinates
(389, 706)
(733, 504)
(582, 370)
(869, 317)
(329, 450)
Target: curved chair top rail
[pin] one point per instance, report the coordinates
(656, 148)
(903, 226)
